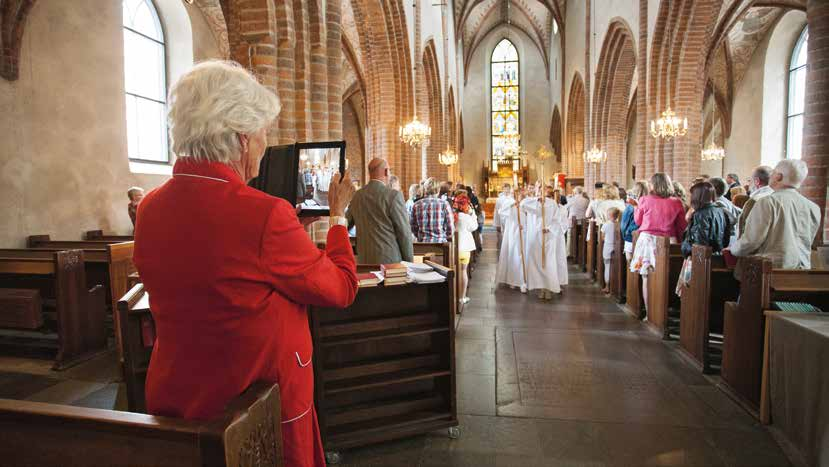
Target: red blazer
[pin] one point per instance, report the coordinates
(230, 271)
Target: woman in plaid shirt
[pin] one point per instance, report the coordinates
(431, 218)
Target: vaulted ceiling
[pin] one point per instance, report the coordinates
(475, 19)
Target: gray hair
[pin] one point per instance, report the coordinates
(762, 173)
(431, 187)
(794, 171)
(213, 103)
(133, 191)
(415, 191)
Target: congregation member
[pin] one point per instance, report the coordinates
(135, 195)
(480, 217)
(466, 223)
(394, 183)
(504, 198)
(739, 196)
(759, 186)
(628, 224)
(709, 224)
(657, 214)
(782, 225)
(733, 181)
(230, 269)
(432, 220)
(681, 194)
(545, 227)
(610, 199)
(415, 193)
(379, 213)
(511, 268)
(609, 232)
(577, 204)
(722, 201)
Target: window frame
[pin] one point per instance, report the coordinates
(165, 81)
(791, 70)
(492, 88)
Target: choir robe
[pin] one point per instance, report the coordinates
(230, 271)
(510, 270)
(554, 274)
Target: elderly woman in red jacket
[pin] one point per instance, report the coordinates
(230, 270)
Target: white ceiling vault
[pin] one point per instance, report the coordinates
(475, 19)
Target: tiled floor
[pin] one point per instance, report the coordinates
(571, 382)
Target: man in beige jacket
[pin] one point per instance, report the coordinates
(383, 233)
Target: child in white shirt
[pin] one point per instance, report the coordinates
(609, 232)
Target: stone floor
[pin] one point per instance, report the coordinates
(571, 382)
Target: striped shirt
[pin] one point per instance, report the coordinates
(432, 220)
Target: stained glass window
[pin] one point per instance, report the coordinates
(797, 98)
(505, 97)
(145, 82)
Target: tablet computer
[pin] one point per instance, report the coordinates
(300, 173)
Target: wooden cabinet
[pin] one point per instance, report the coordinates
(384, 368)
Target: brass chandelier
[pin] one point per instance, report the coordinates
(415, 133)
(669, 125)
(448, 157)
(595, 155)
(713, 153)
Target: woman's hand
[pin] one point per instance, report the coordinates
(340, 193)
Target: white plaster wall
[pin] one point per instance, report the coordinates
(606, 11)
(556, 71)
(574, 47)
(775, 85)
(536, 110)
(63, 155)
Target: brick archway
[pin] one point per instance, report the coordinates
(614, 81)
(430, 108)
(683, 33)
(575, 130)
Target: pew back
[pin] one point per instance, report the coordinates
(247, 433)
(99, 235)
(137, 332)
(633, 287)
(661, 283)
(583, 244)
(617, 265)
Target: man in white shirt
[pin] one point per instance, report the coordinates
(759, 185)
(504, 198)
(782, 225)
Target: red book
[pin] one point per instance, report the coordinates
(367, 279)
(394, 270)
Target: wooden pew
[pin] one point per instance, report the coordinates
(599, 257)
(106, 263)
(248, 432)
(583, 245)
(617, 266)
(76, 327)
(440, 253)
(384, 368)
(45, 241)
(744, 321)
(701, 324)
(591, 245)
(633, 287)
(576, 236)
(661, 288)
(137, 331)
(99, 235)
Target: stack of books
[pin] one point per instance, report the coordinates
(394, 274)
(367, 279)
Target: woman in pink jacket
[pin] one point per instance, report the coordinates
(657, 214)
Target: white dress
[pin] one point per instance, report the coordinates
(510, 270)
(554, 273)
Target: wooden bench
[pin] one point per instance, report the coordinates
(634, 301)
(74, 322)
(45, 241)
(576, 238)
(599, 257)
(384, 368)
(661, 289)
(617, 266)
(583, 245)
(99, 235)
(701, 324)
(247, 433)
(744, 321)
(106, 263)
(137, 331)
(591, 244)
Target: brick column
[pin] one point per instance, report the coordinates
(643, 134)
(589, 169)
(334, 32)
(816, 124)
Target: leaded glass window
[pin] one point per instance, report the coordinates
(505, 98)
(797, 98)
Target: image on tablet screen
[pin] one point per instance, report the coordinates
(316, 168)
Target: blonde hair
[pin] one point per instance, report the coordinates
(611, 192)
(614, 213)
(640, 188)
(661, 185)
(211, 105)
(431, 187)
(415, 191)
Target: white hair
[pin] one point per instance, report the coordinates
(213, 103)
(794, 171)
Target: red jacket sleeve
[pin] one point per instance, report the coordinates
(299, 270)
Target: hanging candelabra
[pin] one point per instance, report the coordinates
(669, 125)
(595, 155)
(415, 132)
(712, 153)
(448, 157)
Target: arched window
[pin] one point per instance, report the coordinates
(797, 94)
(505, 97)
(145, 82)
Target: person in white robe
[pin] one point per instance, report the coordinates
(510, 261)
(504, 198)
(545, 235)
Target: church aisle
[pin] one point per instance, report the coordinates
(575, 381)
